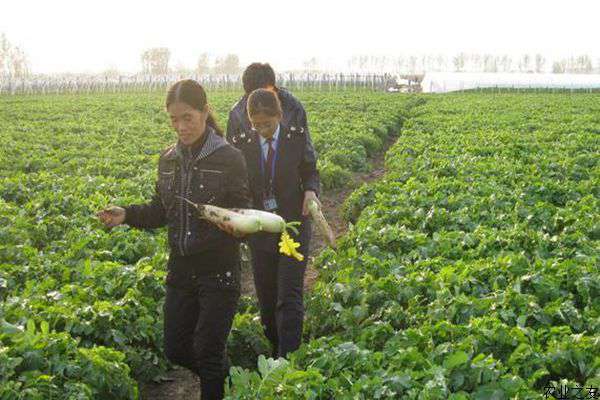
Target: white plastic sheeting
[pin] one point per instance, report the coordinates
(441, 82)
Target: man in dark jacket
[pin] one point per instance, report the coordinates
(283, 178)
(262, 76)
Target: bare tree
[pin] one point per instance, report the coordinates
(155, 61)
(490, 63)
(311, 65)
(13, 61)
(583, 65)
(540, 62)
(18, 64)
(362, 62)
(441, 63)
(574, 65)
(475, 61)
(230, 64)
(384, 63)
(400, 63)
(203, 65)
(506, 63)
(4, 54)
(559, 67)
(111, 73)
(524, 62)
(412, 64)
(459, 62)
(181, 69)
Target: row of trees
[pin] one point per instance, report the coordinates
(472, 62)
(156, 61)
(13, 61)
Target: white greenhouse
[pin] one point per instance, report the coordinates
(441, 82)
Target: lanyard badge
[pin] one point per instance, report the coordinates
(270, 203)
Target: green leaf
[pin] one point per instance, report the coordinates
(456, 359)
(45, 328)
(30, 326)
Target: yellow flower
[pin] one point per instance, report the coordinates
(288, 247)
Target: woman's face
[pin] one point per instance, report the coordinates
(188, 122)
(265, 124)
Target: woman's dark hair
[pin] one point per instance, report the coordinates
(264, 101)
(258, 76)
(190, 92)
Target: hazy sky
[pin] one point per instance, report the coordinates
(91, 36)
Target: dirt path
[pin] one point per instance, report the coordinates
(182, 384)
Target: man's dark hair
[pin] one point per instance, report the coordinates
(258, 76)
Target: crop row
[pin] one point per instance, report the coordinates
(471, 270)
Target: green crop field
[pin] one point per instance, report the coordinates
(471, 270)
(81, 308)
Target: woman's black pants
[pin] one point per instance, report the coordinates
(198, 314)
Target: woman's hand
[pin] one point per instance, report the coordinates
(112, 216)
(309, 195)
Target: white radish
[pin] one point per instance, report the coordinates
(269, 222)
(317, 216)
(238, 223)
(232, 221)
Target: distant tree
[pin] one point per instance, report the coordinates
(111, 73)
(181, 70)
(13, 61)
(524, 62)
(362, 63)
(18, 63)
(424, 63)
(490, 63)
(230, 64)
(476, 62)
(384, 63)
(540, 62)
(155, 61)
(4, 54)
(559, 67)
(311, 65)
(400, 61)
(583, 65)
(440, 61)
(573, 65)
(506, 63)
(412, 64)
(459, 62)
(203, 65)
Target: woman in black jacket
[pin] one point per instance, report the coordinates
(283, 179)
(203, 281)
